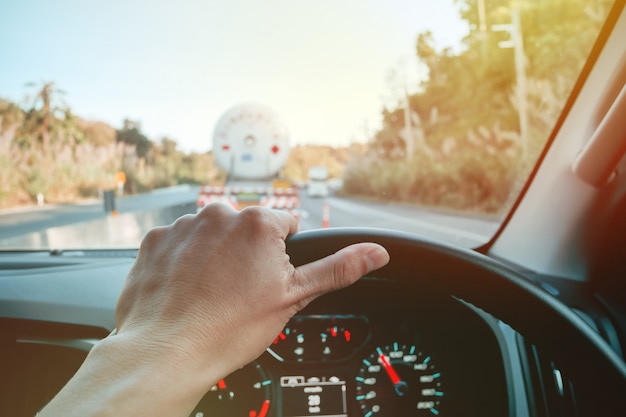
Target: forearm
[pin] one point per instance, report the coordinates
(119, 379)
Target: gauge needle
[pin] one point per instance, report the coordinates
(262, 412)
(393, 375)
(398, 384)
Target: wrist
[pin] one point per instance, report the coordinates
(124, 376)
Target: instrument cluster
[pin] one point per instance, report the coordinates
(382, 363)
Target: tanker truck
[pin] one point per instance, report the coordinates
(251, 144)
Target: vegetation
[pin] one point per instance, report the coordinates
(46, 150)
(466, 149)
(302, 158)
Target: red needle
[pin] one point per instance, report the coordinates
(263, 411)
(393, 375)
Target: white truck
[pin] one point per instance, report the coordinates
(251, 145)
(318, 182)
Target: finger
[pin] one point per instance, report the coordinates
(287, 223)
(337, 271)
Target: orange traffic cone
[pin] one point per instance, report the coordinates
(326, 217)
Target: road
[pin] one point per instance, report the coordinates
(34, 219)
(74, 219)
(467, 231)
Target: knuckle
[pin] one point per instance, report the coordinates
(255, 218)
(343, 273)
(254, 213)
(153, 236)
(183, 220)
(214, 216)
(215, 210)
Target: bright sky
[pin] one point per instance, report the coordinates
(176, 66)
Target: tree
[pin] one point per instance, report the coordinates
(40, 117)
(466, 108)
(131, 134)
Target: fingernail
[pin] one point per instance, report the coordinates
(376, 258)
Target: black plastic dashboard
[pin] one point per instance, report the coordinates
(370, 350)
(396, 343)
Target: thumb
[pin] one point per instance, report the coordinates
(337, 271)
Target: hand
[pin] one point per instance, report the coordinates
(206, 296)
(220, 282)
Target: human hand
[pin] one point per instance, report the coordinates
(206, 295)
(221, 282)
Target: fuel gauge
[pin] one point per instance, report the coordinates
(337, 342)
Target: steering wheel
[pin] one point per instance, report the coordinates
(596, 371)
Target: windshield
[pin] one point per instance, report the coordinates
(423, 116)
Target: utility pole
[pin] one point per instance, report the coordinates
(517, 43)
(407, 134)
(408, 129)
(482, 26)
(482, 21)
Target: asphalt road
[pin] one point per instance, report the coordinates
(467, 231)
(34, 219)
(342, 212)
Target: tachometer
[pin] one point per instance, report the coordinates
(245, 393)
(399, 380)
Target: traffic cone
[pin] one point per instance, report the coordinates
(326, 217)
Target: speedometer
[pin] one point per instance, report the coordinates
(399, 380)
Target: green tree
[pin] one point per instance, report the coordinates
(41, 117)
(131, 134)
(464, 116)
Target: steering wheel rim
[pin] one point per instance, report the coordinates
(598, 372)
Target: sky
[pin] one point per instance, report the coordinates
(176, 67)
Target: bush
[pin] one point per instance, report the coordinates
(475, 178)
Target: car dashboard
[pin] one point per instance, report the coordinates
(373, 349)
(363, 352)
